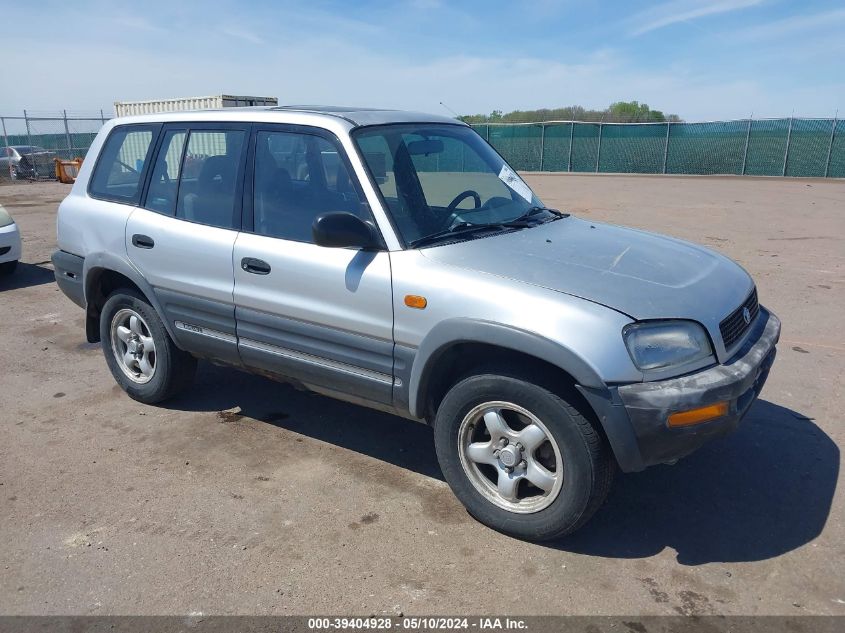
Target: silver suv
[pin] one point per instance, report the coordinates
(395, 260)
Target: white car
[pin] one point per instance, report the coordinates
(10, 243)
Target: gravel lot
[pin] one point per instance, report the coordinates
(246, 496)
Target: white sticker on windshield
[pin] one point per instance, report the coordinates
(512, 180)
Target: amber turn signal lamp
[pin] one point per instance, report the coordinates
(699, 415)
(415, 301)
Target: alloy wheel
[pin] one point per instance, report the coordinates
(133, 345)
(510, 457)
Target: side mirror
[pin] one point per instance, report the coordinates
(342, 229)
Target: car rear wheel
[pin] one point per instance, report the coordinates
(520, 458)
(139, 352)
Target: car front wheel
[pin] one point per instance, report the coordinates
(520, 458)
(139, 352)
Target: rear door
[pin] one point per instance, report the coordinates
(320, 315)
(183, 236)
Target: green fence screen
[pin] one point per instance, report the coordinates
(759, 147)
(763, 147)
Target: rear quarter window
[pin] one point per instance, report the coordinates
(121, 165)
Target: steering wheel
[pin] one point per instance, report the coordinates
(454, 213)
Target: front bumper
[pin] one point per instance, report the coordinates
(647, 405)
(10, 243)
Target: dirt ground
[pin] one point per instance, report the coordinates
(246, 496)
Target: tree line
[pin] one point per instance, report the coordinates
(617, 112)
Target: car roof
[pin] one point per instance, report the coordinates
(351, 116)
(370, 116)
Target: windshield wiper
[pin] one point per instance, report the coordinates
(459, 229)
(468, 228)
(524, 219)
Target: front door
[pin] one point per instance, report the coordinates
(321, 315)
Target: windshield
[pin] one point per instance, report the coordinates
(438, 178)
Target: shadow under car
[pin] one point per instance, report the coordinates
(756, 494)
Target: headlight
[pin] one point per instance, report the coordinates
(659, 344)
(5, 218)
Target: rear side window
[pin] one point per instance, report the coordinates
(209, 177)
(164, 181)
(118, 173)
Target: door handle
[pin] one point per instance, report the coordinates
(142, 241)
(255, 266)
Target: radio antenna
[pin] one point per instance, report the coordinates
(457, 116)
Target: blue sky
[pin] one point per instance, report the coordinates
(700, 59)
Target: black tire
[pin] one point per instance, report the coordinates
(7, 268)
(174, 368)
(588, 465)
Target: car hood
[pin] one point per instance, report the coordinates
(643, 275)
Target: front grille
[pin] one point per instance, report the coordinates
(734, 325)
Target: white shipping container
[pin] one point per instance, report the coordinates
(129, 108)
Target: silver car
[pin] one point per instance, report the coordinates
(395, 260)
(19, 162)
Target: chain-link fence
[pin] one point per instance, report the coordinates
(762, 147)
(36, 138)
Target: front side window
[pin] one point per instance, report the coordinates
(297, 177)
(435, 178)
(117, 175)
(208, 176)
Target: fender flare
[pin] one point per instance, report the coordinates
(96, 262)
(606, 406)
(461, 330)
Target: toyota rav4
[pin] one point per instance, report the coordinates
(395, 260)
